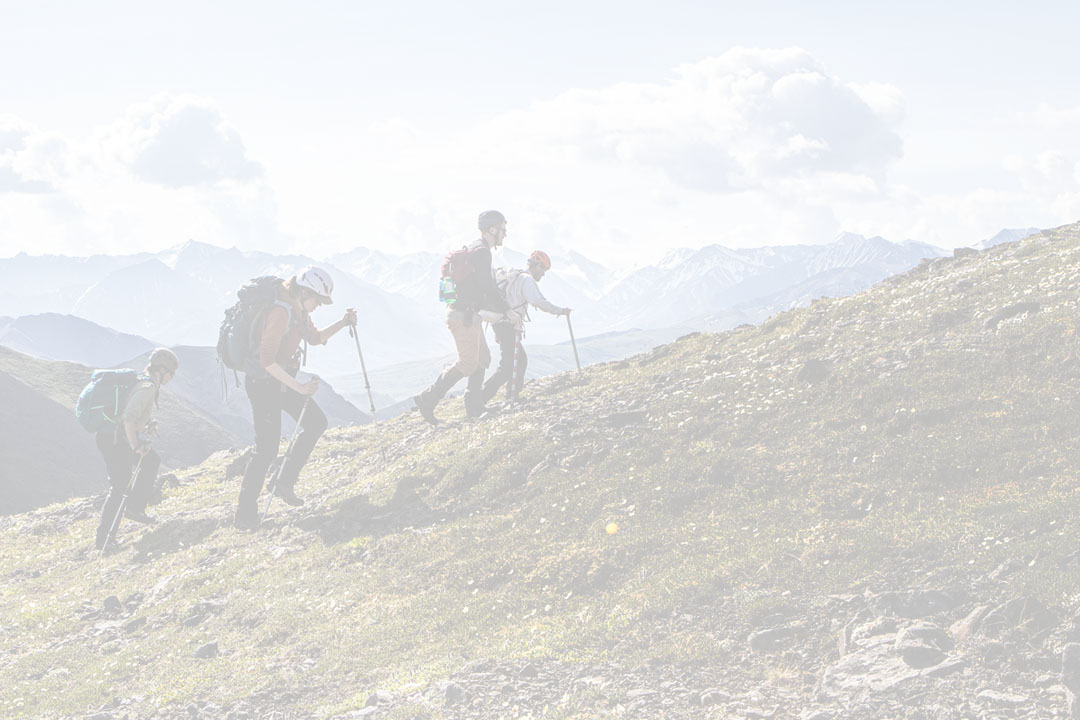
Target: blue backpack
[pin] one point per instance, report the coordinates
(102, 400)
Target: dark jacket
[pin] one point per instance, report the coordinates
(481, 291)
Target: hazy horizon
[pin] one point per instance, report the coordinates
(621, 134)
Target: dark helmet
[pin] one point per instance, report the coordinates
(490, 218)
(165, 359)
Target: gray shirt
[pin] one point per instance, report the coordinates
(140, 403)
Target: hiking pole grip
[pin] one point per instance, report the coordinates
(285, 458)
(573, 342)
(363, 369)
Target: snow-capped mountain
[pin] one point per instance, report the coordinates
(694, 283)
(1007, 235)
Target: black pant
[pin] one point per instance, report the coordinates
(506, 337)
(120, 461)
(268, 399)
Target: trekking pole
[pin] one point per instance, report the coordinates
(363, 369)
(120, 511)
(512, 387)
(572, 341)
(285, 458)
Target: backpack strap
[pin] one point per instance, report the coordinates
(288, 308)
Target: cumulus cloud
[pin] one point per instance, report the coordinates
(744, 120)
(14, 178)
(181, 142)
(168, 170)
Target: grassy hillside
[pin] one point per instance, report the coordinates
(398, 383)
(865, 508)
(45, 455)
(186, 436)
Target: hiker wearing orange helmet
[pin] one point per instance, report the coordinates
(521, 290)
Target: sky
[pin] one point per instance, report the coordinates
(617, 129)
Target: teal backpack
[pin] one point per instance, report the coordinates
(102, 400)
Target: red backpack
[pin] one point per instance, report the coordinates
(458, 265)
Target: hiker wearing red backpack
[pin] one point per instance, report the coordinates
(121, 438)
(468, 288)
(272, 387)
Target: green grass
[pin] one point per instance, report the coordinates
(931, 443)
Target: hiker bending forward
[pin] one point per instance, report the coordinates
(124, 449)
(478, 292)
(522, 290)
(272, 387)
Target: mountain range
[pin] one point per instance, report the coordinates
(178, 296)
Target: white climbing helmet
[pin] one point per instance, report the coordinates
(318, 281)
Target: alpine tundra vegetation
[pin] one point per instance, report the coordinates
(865, 508)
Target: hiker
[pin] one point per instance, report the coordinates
(123, 448)
(471, 291)
(521, 290)
(271, 385)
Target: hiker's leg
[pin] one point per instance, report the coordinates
(474, 402)
(523, 363)
(462, 326)
(265, 397)
(144, 483)
(311, 430)
(117, 457)
(469, 338)
(504, 336)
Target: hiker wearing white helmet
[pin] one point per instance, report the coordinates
(521, 290)
(124, 443)
(272, 386)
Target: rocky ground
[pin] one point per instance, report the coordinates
(955, 647)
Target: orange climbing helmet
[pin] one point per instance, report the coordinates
(540, 258)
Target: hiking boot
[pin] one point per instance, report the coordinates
(140, 516)
(109, 548)
(246, 518)
(427, 400)
(289, 497)
(427, 410)
(474, 409)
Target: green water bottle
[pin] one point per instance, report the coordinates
(447, 290)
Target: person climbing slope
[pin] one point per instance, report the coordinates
(471, 289)
(271, 385)
(521, 290)
(124, 445)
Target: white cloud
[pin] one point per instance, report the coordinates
(749, 148)
(180, 142)
(14, 135)
(743, 120)
(169, 170)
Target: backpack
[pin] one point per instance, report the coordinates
(457, 270)
(236, 337)
(103, 398)
(504, 278)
